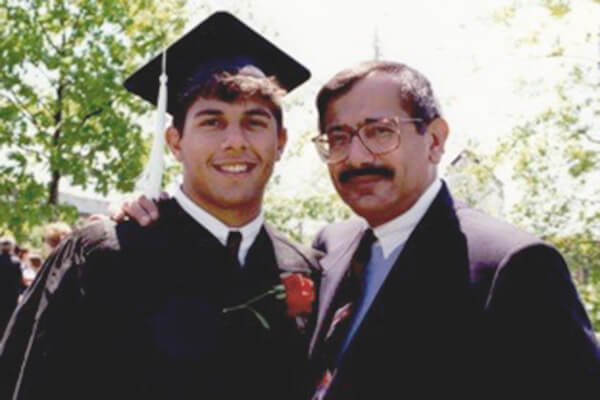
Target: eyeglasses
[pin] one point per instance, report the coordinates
(379, 137)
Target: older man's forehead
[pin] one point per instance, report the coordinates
(371, 98)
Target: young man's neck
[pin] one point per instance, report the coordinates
(234, 217)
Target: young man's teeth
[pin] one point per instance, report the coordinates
(234, 168)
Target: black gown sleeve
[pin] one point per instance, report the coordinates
(39, 349)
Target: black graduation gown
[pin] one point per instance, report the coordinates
(126, 312)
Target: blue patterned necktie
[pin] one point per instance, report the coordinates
(341, 314)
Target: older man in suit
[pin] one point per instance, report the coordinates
(444, 297)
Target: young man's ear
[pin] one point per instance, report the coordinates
(438, 131)
(281, 141)
(173, 139)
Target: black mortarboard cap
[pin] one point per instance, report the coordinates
(219, 43)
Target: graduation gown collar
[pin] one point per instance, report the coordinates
(289, 256)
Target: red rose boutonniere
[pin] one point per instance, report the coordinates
(300, 294)
(296, 289)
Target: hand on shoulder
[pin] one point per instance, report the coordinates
(137, 207)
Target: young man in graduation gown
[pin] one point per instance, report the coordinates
(192, 307)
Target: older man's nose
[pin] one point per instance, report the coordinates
(358, 154)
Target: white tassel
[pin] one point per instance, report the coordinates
(150, 180)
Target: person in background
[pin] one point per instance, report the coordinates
(54, 233)
(33, 262)
(21, 252)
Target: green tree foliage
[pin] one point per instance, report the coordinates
(63, 111)
(555, 160)
(301, 218)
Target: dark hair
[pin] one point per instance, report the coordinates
(416, 94)
(229, 87)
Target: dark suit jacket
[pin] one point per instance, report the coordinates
(472, 305)
(124, 312)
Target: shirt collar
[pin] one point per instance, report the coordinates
(397, 231)
(217, 228)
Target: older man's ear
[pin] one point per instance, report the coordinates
(438, 130)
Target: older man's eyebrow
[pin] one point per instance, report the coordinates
(370, 120)
(260, 112)
(207, 111)
(367, 120)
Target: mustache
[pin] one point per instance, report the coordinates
(348, 174)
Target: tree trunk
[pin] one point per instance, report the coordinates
(53, 188)
(54, 181)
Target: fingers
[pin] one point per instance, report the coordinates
(149, 206)
(116, 213)
(140, 210)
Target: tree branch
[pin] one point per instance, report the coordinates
(90, 115)
(582, 200)
(58, 119)
(54, 46)
(16, 102)
(30, 151)
(591, 139)
(39, 103)
(93, 113)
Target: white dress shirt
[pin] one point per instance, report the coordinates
(217, 228)
(397, 231)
